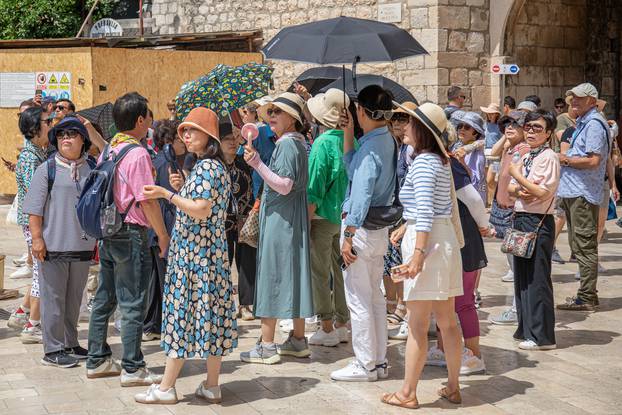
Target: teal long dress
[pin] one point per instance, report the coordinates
(283, 287)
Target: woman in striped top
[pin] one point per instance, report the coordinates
(432, 263)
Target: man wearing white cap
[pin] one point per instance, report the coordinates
(581, 190)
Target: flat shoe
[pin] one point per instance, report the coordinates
(395, 400)
(453, 397)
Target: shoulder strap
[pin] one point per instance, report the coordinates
(119, 156)
(51, 164)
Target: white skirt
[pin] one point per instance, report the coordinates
(441, 276)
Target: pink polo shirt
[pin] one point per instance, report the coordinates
(133, 172)
(545, 172)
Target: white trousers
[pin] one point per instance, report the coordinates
(367, 305)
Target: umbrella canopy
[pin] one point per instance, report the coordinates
(224, 89)
(317, 78)
(102, 116)
(342, 40)
(400, 94)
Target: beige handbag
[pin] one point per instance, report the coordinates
(249, 234)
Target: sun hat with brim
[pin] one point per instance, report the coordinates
(289, 102)
(527, 105)
(432, 117)
(203, 119)
(472, 119)
(326, 108)
(408, 104)
(583, 90)
(514, 116)
(491, 109)
(70, 123)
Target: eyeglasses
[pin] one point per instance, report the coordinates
(533, 128)
(400, 118)
(463, 126)
(66, 134)
(274, 111)
(47, 121)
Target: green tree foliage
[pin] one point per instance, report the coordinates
(43, 19)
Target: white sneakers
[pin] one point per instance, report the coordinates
(354, 372)
(531, 345)
(142, 377)
(109, 367)
(21, 261)
(400, 333)
(211, 395)
(155, 396)
(22, 272)
(470, 363)
(509, 277)
(332, 339)
(169, 397)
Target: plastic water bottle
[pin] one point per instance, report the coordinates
(516, 158)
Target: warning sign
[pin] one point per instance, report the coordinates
(54, 84)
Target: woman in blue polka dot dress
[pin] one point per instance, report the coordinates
(199, 317)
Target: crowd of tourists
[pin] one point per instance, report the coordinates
(361, 215)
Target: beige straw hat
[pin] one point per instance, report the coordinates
(492, 108)
(327, 107)
(289, 102)
(432, 117)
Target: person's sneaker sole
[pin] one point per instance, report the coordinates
(30, 340)
(206, 399)
(504, 323)
(131, 384)
(67, 366)
(302, 353)
(15, 324)
(269, 361)
(540, 348)
(473, 372)
(331, 344)
(147, 337)
(102, 375)
(159, 402)
(354, 379)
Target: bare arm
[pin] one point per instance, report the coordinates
(499, 147)
(38, 244)
(591, 161)
(151, 209)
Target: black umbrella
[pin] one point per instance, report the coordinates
(400, 94)
(342, 40)
(315, 79)
(102, 116)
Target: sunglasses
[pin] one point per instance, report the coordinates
(463, 96)
(47, 121)
(463, 126)
(514, 124)
(400, 118)
(274, 111)
(560, 107)
(66, 134)
(61, 108)
(378, 115)
(533, 128)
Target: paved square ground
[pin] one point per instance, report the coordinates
(584, 374)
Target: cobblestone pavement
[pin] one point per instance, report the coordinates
(584, 374)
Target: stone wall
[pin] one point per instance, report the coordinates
(548, 42)
(458, 51)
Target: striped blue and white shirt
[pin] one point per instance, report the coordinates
(426, 193)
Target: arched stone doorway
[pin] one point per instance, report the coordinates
(560, 43)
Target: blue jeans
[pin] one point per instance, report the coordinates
(125, 269)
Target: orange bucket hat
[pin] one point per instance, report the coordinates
(203, 119)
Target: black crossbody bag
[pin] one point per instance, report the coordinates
(379, 217)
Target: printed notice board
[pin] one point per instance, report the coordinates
(54, 84)
(16, 87)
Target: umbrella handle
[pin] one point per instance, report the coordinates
(343, 67)
(356, 60)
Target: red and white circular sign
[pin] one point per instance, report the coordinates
(496, 68)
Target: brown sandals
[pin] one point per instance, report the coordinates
(453, 397)
(395, 400)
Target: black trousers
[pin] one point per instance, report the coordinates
(532, 282)
(246, 264)
(153, 318)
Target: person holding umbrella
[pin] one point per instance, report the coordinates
(372, 173)
(283, 282)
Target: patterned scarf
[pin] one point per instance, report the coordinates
(74, 165)
(121, 138)
(532, 155)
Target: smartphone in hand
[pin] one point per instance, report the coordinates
(342, 264)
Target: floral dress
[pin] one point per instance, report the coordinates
(198, 310)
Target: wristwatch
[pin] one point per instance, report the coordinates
(348, 234)
(566, 162)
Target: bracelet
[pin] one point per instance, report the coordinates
(170, 199)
